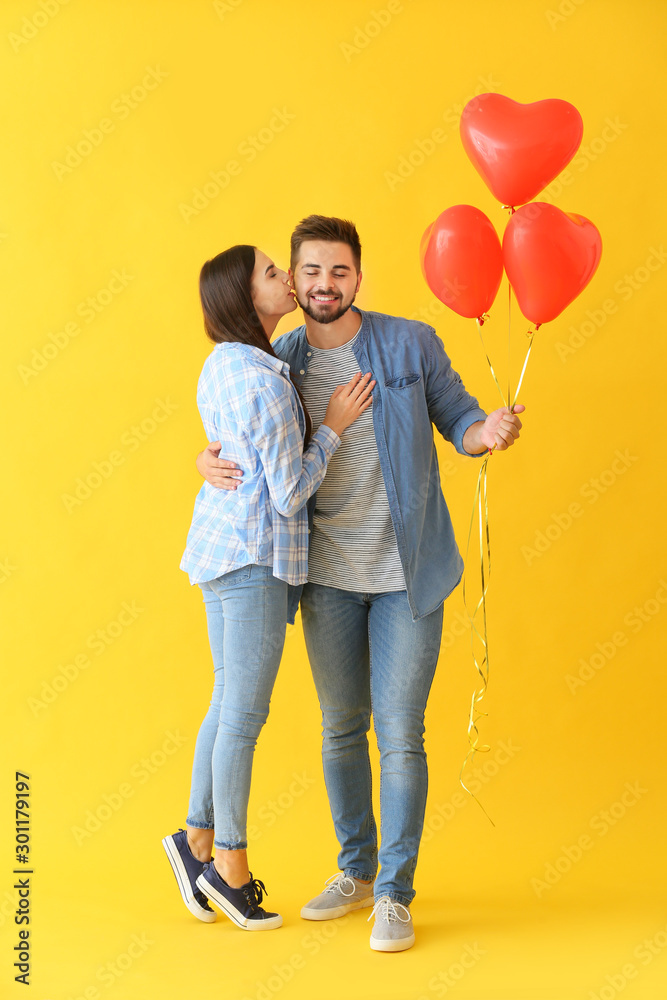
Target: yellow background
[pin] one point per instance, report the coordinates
(361, 98)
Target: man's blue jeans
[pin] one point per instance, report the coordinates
(246, 613)
(367, 653)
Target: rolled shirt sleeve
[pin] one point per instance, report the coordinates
(451, 407)
(292, 474)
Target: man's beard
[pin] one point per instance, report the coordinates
(326, 316)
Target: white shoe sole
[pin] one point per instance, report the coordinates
(336, 911)
(235, 915)
(178, 868)
(392, 944)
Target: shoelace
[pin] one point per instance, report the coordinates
(386, 909)
(335, 884)
(254, 892)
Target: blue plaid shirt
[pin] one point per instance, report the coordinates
(247, 402)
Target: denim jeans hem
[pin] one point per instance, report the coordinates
(231, 847)
(362, 876)
(197, 826)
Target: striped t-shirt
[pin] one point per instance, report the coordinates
(353, 543)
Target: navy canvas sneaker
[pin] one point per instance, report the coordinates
(187, 868)
(240, 905)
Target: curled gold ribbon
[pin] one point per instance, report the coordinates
(481, 509)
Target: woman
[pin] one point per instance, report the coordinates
(244, 548)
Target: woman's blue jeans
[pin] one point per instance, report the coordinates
(246, 613)
(367, 653)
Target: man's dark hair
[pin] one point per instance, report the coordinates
(329, 229)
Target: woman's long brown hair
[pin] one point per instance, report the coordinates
(229, 312)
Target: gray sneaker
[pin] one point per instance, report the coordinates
(342, 894)
(393, 930)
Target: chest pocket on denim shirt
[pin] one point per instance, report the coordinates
(405, 404)
(403, 381)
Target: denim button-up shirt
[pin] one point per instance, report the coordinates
(416, 389)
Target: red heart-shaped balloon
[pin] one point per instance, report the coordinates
(519, 148)
(462, 260)
(550, 256)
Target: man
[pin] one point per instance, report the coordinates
(382, 560)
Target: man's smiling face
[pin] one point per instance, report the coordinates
(325, 279)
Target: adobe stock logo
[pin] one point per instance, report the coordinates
(425, 146)
(591, 491)
(601, 824)
(222, 7)
(98, 642)
(586, 155)
(112, 802)
(88, 309)
(102, 469)
(364, 34)
(7, 569)
(565, 9)
(606, 649)
(448, 978)
(478, 777)
(247, 151)
(32, 25)
(645, 953)
(624, 289)
(91, 138)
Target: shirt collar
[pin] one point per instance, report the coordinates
(257, 354)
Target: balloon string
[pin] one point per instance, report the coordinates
(481, 510)
(530, 335)
(509, 340)
(480, 322)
